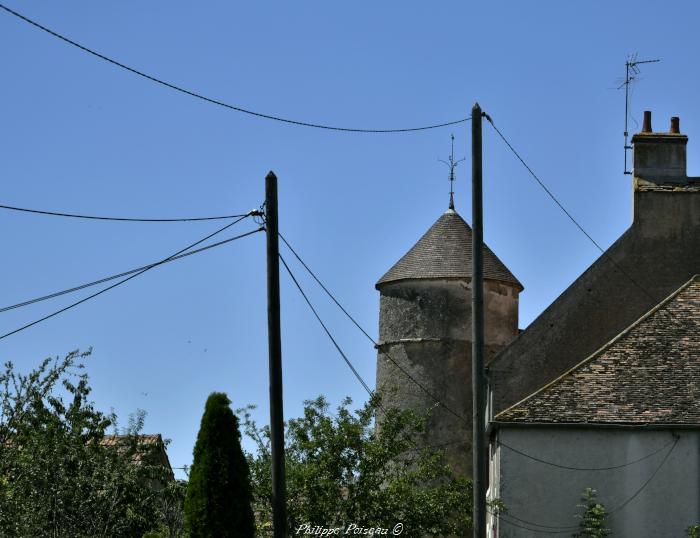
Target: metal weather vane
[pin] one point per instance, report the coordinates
(452, 164)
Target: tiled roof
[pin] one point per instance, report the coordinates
(649, 374)
(445, 251)
(144, 439)
(144, 444)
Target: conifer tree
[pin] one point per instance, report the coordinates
(218, 501)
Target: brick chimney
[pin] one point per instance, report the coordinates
(659, 158)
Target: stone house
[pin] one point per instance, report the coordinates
(625, 421)
(653, 258)
(609, 373)
(148, 449)
(424, 349)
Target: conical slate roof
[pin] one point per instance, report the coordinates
(445, 251)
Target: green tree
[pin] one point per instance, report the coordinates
(593, 518)
(694, 531)
(340, 472)
(57, 478)
(172, 517)
(218, 500)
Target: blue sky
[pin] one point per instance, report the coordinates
(80, 135)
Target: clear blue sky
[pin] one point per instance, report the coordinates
(80, 135)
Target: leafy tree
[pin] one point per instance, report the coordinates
(218, 500)
(694, 531)
(57, 478)
(593, 518)
(172, 517)
(341, 471)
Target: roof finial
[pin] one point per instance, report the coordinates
(452, 164)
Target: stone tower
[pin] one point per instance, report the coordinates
(425, 326)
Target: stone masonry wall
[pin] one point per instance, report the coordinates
(652, 259)
(425, 326)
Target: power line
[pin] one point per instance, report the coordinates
(215, 101)
(564, 529)
(57, 312)
(541, 183)
(569, 215)
(387, 355)
(324, 288)
(555, 529)
(643, 486)
(120, 219)
(125, 273)
(342, 354)
(438, 446)
(347, 360)
(561, 529)
(627, 464)
(503, 518)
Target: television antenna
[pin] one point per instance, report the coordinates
(631, 73)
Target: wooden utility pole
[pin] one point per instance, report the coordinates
(478, 379)
(279, 491)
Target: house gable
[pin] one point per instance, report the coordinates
(648, 374)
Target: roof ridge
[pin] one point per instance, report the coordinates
(695, 279)
(127, 435)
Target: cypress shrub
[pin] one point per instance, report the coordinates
(218, 500)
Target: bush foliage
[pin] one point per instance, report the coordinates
(340, 471)
(56, 477)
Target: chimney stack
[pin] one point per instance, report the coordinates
(675, 125)
(660, 158)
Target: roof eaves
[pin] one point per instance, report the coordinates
(381, 283)
(495, 424)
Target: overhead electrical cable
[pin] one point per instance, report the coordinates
(325, 289)
(376, 345)
(120, 219)
(544, 187)
(435, 398)
(125, 273)
(648, 481)
(325, 328)
(549, 529)
(502, 517)
(568, 214)
(347, 360)
(148, 268)
(564, 529)
(545, 462)
(216, 101)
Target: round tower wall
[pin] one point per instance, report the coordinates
(420, 309)
(425, 329)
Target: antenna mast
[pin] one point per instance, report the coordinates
(631, 72)
(452, 164)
